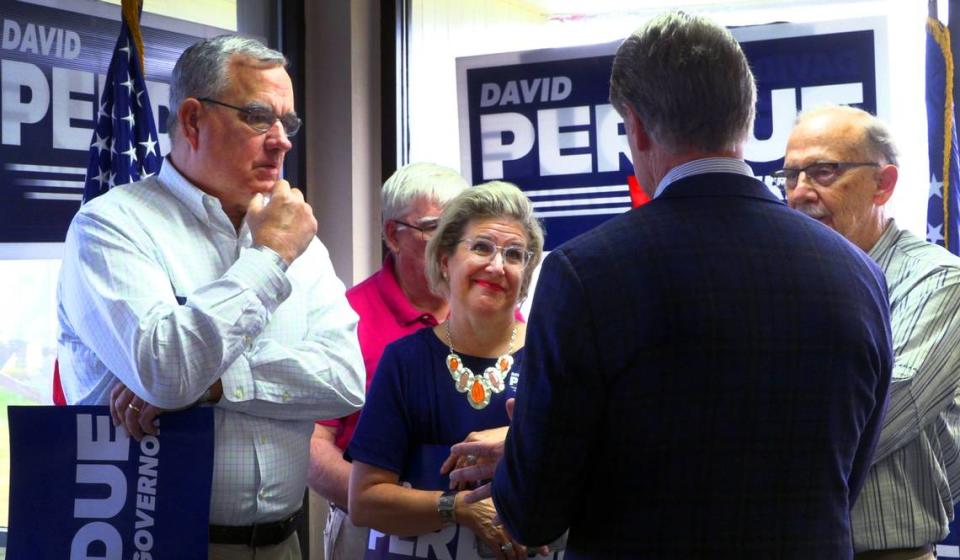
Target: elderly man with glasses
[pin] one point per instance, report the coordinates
(394, 302)
(190, 287)
(841, 169)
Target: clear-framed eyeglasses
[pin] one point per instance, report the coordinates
(262, 118)
(823, 173)
(426, 227)
(513, 255)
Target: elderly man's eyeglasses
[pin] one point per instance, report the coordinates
(513, 255)
(823, 173)
(262, 118)
(426, 228)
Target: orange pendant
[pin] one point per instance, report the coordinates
(477, 393)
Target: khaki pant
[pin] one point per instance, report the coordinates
(287, 550)
(342, 540)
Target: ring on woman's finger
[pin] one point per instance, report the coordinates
(471, 459)
(506, 546)
(133, 408)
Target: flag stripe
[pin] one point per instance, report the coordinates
(46, 169)
(582, 201)
(583, 212)
(575, 190)
(51, 183)
(53, 196)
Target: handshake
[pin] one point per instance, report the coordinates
(476, 459)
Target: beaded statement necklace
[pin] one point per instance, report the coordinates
(479, 388)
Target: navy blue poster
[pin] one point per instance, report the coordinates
(53, 65)
(542, 119)
(80, 488)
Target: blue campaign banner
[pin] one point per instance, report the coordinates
(80, 488)
(450, 543)
(53, 65)
(542, 119)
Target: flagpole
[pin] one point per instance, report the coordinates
(131, 14)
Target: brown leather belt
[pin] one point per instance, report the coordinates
(260, 534)
(895, 553)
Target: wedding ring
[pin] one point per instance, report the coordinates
(471, 459)
(133, 408)
(505, 547)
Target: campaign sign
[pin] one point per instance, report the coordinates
(81, 488)
(53, 66)
(450, 543)
(542, 119)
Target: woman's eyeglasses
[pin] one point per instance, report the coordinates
(513, 255)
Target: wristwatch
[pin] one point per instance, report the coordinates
(445, 507)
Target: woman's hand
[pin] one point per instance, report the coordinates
(481, 518)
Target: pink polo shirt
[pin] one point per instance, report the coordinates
(385, 316)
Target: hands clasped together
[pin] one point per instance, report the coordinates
(474, 461)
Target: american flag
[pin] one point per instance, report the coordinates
(942, 209)
(124, 146)
(943, 202)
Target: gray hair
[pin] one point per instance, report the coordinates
(201, 71)
(419, 180)
(877, 138)
(496, 199)
(688, 82)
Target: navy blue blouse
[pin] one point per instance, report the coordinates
(413, 402)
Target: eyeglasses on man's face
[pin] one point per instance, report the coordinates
(426, 227)
(513, 255)
(262, 118)
(823, 173)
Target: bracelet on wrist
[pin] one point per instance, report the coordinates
(446, 507)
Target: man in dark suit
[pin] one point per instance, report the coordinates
(706, 374)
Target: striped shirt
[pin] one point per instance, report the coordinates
(159, 291)
(700, 166)
(907, 500)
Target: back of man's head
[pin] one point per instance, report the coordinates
(203, 69)
(688, 82)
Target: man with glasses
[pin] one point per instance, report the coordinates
(841, 169)
(394, 302)
(679, 393)
(191, 287)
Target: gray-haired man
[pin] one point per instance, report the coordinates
(190, 285)
(841, 169)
